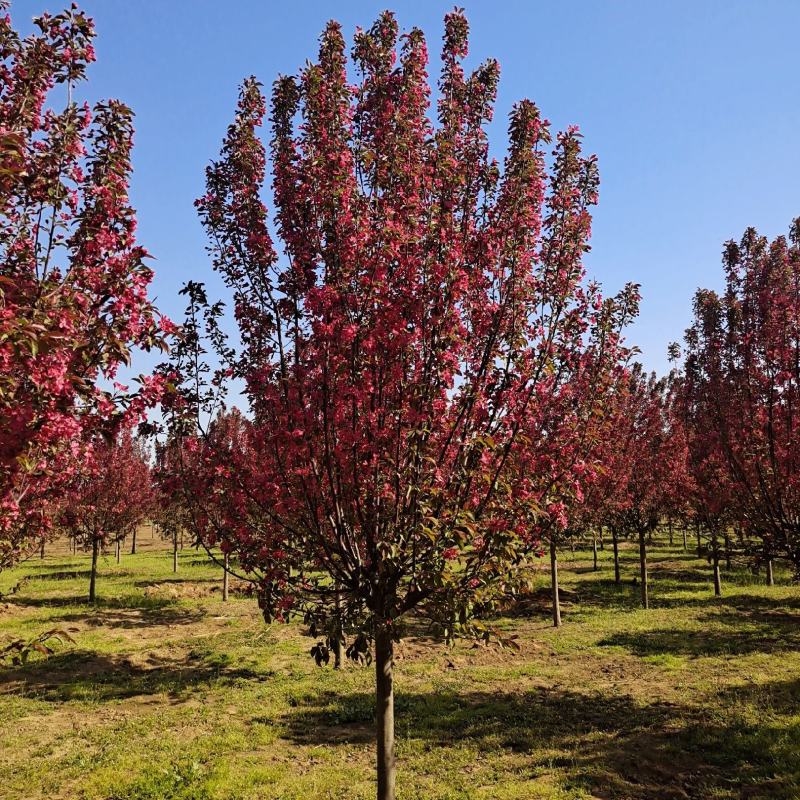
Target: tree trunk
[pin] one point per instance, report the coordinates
(643, 569)
(554, 583)
(727, 552)
(175, 551)
(669, 523)
(602, 540)
(615, 543)
(93, 574)
(118, 551)
(699, 544)
(770, 574)
(594, 552)
(41, 550)
(684, 538)
(384, 697)
(338, 645)
(225, 577)
(133, 543)
(715, 561)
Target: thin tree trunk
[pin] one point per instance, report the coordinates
(338, 645)
(615, 543)
(384, 697)
(175, 551)
(133, 543)
(93, 574)
(118, 551)
(41, 550)
(727, 552)
(669, 523)
(594, 552)
(643, 569)
(684, 538)
(554, 584)
(602, 539)
(715, 561)
(225, 577)
(770, 574)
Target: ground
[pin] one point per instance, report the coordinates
(169, 693)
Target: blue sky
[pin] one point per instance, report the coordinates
(693, 109)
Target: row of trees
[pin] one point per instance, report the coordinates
(434, 394)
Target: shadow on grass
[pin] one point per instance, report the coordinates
(613, 747)
(83, 675)
(62, 575)
(123, 611)
(738, 625)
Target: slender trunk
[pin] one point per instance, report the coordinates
(175, 551)
(669, 523)
(715, 561)
(118, 551)
(133, 543)
(93, 574)
(554, 583)
(225, 577)
(41, 550)
(643, 569)
(384, 697)
(594, 553)
(602, 540)
(684, 538)
(770, 575)
(615, 543)
(338, 645)
(727, 552)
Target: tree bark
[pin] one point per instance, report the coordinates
(715, 561)
(93, 574)
(615, 543)
(684, 538)
(643, 569)
(225, 578)
(669, 523)
(175, 551)
(118, 551)
(554, 584)
(384, 697)
(338, 645)
(41, 550)
(594, 552)
(133, 543)
(770, 574)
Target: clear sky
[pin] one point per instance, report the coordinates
(692, 107)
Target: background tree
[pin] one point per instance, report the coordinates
(743, 369)
(110, 497)
(73, 282)
(406, 364)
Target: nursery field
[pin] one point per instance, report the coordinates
(167, 693)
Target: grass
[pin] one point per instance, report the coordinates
(171, 694)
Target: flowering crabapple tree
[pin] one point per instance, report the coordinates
(742, 370)
(172, 513)
(408, 353)
(110, 496)
(73, 281)
(649, 468)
